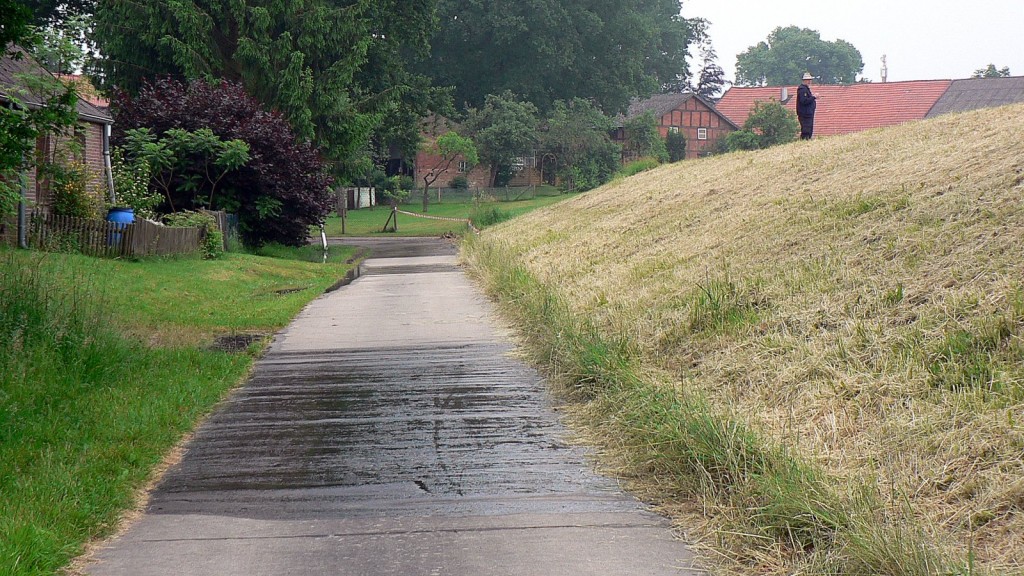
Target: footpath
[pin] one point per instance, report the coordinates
(389, 431)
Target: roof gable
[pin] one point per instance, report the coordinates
(975, 93)
(661, 104)
(658, 105)
(849, 108)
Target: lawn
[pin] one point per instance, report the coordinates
(371, 221)
(106, 364)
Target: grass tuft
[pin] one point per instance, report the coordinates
(483, 216)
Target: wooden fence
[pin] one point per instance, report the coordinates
(111, 239)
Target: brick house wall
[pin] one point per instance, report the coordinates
(478, 177)
(89, 137)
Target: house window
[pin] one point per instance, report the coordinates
(463, 167)
(673, 129)
(702, 133)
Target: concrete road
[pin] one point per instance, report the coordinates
(388, 431)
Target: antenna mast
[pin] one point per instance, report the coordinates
(885, 69)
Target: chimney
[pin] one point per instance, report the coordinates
(785, 95)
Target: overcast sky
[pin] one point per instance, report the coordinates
(922, 39)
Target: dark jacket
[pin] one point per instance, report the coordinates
(805, 101)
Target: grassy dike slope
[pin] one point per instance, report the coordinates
(820, 343)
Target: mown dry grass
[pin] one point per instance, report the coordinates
(858, 300)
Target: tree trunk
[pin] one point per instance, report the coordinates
(426, 198)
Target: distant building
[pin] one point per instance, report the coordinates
(845, 109)
(697, 118)
(525, 171)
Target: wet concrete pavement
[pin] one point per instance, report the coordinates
(388, 431)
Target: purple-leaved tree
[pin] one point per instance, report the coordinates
(282, 189)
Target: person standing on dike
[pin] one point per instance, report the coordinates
(805, 105)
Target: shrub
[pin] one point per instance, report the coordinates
(743, 140)
(74, 190)
(641, 165)
(395, 189)
(483, 217)
(131, 185)
(459, 182)
(675, 142)
(212, 244)
(643, 137)
(768, 125)
(186, 163)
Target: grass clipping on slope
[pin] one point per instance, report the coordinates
(856, 300)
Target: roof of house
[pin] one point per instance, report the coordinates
(86, 91)
(975, 93)
(661, 104)
(12, 86)
(846, 109)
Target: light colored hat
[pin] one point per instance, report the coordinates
(807, 76)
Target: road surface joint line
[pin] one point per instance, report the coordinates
(635, 526)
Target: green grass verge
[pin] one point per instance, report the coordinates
(86, 412)
(371, 221)
(671, 440)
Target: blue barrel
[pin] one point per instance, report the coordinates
(121, 217)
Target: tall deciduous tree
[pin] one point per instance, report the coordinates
(48, 12)
(337, 69)
(789, 52)
(710, 79)
(15, 18)
(61, 45)
(548, 50)
(991, 71)
(504, 130)
(578, 145)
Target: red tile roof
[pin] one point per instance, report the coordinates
(846, 109)
(86, 91)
